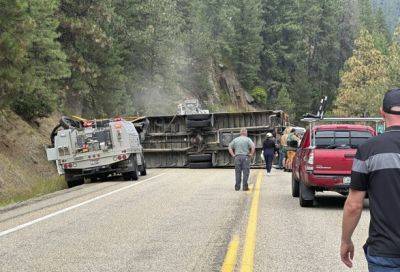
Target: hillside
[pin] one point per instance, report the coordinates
(24, 170)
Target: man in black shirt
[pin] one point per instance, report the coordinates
(376, 171)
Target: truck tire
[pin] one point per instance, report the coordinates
(73, 182)
(67, 122)
(200, 158)
(200, 165)
(198, 117)
(143, 167)
(199, 124)
(143, 172)
(295, 186)
(132, 175)
(306, 195)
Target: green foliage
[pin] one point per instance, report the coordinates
(247, 44)
(37, 188)
(285, 103)
(259, 94)
(30, 105)
(364, 81)
(14, 37)
(111, 57)
(33, 63)
(394, 60)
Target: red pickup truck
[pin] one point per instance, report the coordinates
(324, 160)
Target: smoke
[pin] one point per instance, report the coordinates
(155, 101)
(176, 80)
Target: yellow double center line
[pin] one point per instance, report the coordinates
(247, 264)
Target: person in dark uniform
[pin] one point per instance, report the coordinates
(376, 171)
(269, 150)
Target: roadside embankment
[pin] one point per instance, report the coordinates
(24, 169)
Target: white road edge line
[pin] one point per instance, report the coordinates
(30, 223)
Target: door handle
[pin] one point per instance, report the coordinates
(349, 156)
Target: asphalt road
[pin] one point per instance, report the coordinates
(176, 220)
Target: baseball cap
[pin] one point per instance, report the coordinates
(391, 99)
(269, 135)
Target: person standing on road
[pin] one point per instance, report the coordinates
(376, 171)
(292, 144)
(283, 147)
(269, 150)
(242, 149)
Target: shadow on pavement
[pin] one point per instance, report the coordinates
(334, 202)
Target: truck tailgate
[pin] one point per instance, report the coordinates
(333, 161)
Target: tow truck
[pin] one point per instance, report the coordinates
(96, 149)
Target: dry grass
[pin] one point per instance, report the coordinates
(36, 188)
(24, 169)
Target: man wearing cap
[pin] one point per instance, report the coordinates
(376, 171)
(242, 149)
(269, 150)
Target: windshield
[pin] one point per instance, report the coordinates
(340, 139)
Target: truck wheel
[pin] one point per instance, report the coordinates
(295, 186)
(200, 165)
(130, 176)
(306, 196)
(198, 124)
(80, 181)
(143, 167)
(200, 158)
(73, 182)
(143, 172)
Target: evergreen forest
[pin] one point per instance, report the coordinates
(118, 57)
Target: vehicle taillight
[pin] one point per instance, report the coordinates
(310, 162)
(67, 165)
(122, 157)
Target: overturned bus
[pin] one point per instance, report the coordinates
(201, 140)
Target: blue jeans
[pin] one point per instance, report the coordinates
(242, 165)
(282, 155)
(382, 264)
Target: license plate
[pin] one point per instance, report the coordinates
(347, 180)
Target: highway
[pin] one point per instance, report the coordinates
(177, 220)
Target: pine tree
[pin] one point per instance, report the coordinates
(364, 80)
(281, 36)
(248, 42)
(95, 87)
(46, 64)
(284, 102)
(14, 37)
(153, 52)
